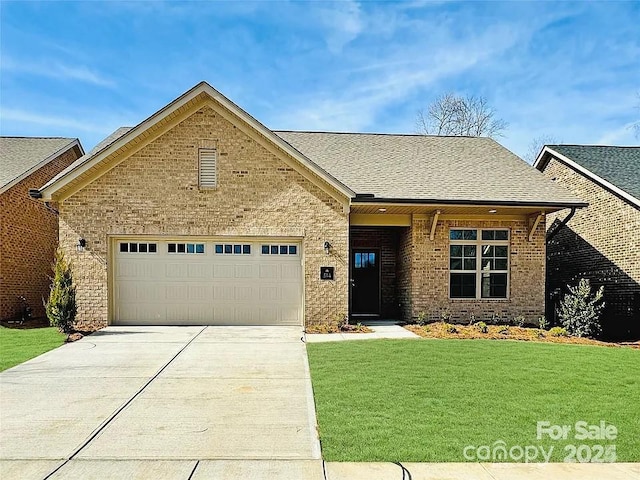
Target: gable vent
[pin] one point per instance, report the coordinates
(208, 173)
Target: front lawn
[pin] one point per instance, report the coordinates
(426, 400)
(19, 345)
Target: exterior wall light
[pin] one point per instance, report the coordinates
(327, 248)
(81, 244)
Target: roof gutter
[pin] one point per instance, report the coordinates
(554, 232)
(370, 198)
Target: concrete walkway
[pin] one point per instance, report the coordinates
(379, 331)
(180, 396)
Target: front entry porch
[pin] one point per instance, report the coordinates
(375, 272)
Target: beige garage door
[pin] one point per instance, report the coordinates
(205, 282)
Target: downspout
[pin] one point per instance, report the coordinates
(553, 232)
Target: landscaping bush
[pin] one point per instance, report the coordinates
(580, 309)
(481, 327)
(504, 330)
(558, 332)
(519, 321)
(543, 323)
(423, 318)
(450, 328)
(61, 305)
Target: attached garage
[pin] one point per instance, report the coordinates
(196, 281)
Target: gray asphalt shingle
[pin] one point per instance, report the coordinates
(426, 167)
(619, 166)
(18, 155)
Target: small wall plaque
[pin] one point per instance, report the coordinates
(326, 273)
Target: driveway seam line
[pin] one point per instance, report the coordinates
(312, 414)
(112, 417)
(194, 470)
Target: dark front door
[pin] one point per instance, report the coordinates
(365, 282)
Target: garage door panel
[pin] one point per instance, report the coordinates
(269, 271)
(290, 295)
(208, 288)
(224, 293)
(290, 272)
(198, 270)
(244, 271)
(269, 293)
(201, 293)
(223, 271)
(176, 292)
(176, 270)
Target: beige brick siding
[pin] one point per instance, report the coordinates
(155, 192)
(28, 239)
(428, 269)
(601, 242)
(405, 252)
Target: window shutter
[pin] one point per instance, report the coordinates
(208, 174)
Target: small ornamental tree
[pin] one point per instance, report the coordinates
(580, 310)
(61, 305)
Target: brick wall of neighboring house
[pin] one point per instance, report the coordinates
(155, 192)
(29, 237)
(385, 239)
(602, 243)
(429, 274)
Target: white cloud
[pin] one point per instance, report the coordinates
(343, 23)
(365, 91)
(57, 70)
(52, 121)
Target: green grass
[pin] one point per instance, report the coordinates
(18, 345)
(425, 400)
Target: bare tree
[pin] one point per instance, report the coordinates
(536, 145)
(451, 114)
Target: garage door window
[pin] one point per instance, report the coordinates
(233, 249)
(185, 248)
(136, 247)
(279, 249)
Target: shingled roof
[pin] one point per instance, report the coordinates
(19, 156)
(429, 168)
(620, 166)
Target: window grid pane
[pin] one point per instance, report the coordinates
(478, 256)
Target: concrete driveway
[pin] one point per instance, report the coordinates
(203, 402)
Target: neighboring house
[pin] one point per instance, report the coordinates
(202, 215)
(28, 228)
(601, 242)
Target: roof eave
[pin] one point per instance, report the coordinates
(436, 201)
(73, 143)
(543, 160)
(50, 189)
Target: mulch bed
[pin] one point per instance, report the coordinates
(332, 328)
(438, 330)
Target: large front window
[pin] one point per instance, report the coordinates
(478, 263)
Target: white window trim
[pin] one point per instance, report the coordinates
(479, 271)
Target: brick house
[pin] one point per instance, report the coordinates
(602, 241)
(28, 228)
(202, 215)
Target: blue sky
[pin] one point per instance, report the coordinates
(569, 70)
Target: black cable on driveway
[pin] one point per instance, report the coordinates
(122, 407)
